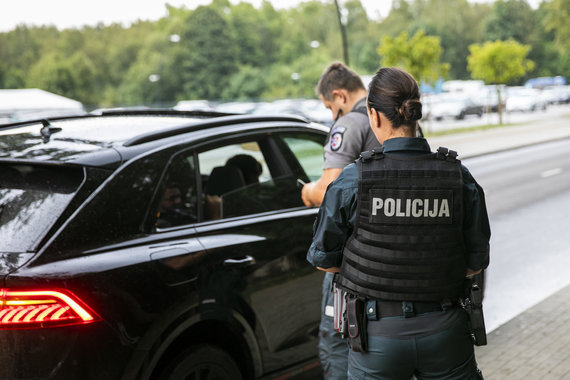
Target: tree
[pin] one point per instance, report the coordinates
(246, 84)
(362, 50)
(556, 19)
(53, 74)
(499, 62)
(245, 23)
(212, 59)
(515, 19)
(510, 19)
(419, 55)
(458, 24)
(398, 19)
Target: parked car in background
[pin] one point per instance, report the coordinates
(193, 105)
(522, 99)
(451, 106)
(488, 97)
(158, 245)
(557, 94)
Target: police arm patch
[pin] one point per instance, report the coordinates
(336, 141)
(336, 138)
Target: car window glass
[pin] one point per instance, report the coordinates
(232, 176)
(31, 199)
(243, 179)
(177, 200)
(309, 154)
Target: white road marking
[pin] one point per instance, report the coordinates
(551, 172)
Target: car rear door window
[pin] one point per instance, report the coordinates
(31, 200)
(178, 193)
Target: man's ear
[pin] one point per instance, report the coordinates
(341, 93)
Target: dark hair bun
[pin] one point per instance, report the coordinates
(396, 94)
(411, 110)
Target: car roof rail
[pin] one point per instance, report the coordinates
(158, 112)
(212, 123)
(42, 120)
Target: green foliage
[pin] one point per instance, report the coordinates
(458, 23)
(11, 77)
(296, 79)
(515, 19)
(510, 19)
(246, 84)
(52, 74)
(557, 20)
(418, 55)
(206, 71)
(499, 62)
(238, 51)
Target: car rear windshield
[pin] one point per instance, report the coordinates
(31, 199)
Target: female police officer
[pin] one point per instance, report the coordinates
(403, 227)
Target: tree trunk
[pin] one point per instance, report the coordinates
(499, 106)
(342, 34)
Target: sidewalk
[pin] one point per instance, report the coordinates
(535, 345)
(472, 144)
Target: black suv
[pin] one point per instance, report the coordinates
(158, 245)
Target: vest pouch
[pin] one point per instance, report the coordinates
(356, 316)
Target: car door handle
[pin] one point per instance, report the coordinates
(244, 261)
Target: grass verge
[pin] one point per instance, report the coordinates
(468, 129)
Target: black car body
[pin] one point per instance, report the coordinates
(100, 280)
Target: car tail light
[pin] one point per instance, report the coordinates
(42, 308)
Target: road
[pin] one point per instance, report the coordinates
(528, 199)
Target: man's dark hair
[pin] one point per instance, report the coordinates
(338, 75)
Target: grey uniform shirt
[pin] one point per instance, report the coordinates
(348, 137)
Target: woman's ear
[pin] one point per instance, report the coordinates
(373, 118)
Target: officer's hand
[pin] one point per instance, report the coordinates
(306, 194)
(333, 269)
(471, 272)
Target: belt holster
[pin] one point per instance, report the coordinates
(356, 316)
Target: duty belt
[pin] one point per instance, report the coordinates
(406, 309)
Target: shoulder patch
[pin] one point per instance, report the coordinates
(337, 130)
(336, 139)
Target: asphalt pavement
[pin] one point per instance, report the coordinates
(534, 344)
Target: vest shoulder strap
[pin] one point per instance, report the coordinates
(446, 154)
(376, 153)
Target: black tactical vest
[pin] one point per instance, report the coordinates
(407, 244)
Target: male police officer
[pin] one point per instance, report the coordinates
(404, 226)
(341, 90)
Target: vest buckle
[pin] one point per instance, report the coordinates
(366, 156)
(442, 153)
(446, 154)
